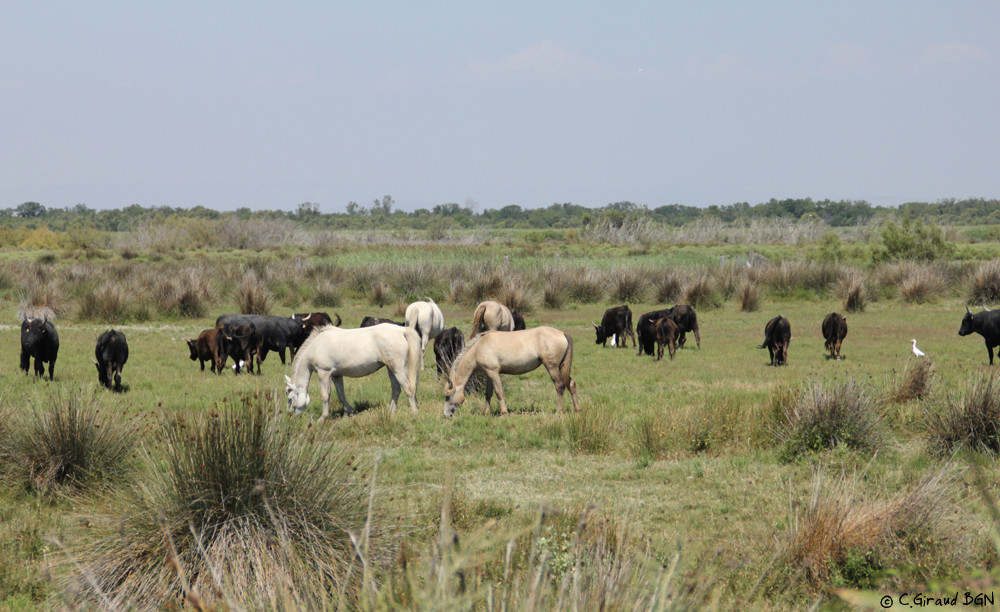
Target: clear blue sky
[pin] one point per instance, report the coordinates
(268, 105)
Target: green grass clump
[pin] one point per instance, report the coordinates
(242, 508)
(971, 421)
(828, 416)
(69, 443)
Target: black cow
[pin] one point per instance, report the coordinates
(39, 340)
(645, 329)
(447, 346)
(519, 323)
(666, 335)
(277, 333)
(834, 332)
(210, 346)
(615, 324)
(110, 356)
(687, 321)
(777, 336)
(245, 345)
(369, 321)
(986, 324)
(313, 320)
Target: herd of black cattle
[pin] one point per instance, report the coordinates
(248, 338)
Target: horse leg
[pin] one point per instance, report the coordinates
(324, 391)
(556, 374)
(399, 377)
(338, 382)
(494, 386)
(697, 338)
(394, 386)
(489, 396)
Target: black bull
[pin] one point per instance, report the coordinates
(986, 324)
(110, 356)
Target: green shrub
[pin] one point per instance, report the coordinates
(913, 240)
(826, 417)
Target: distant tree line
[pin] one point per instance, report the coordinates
(384, 214)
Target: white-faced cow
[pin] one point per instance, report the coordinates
(616, 325)
(834, 332)
(777, 337)
(986, 324)
(39, 340)
(110, 356)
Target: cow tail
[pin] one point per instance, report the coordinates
(414, 361)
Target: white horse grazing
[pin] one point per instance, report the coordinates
(333, 353)
(428, 320)
(517, 352)
(490, 316)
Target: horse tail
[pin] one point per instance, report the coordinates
(414, 360)
(477, 320)
(566, 364)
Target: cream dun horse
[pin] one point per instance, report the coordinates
(491, 315)
(516, 352)
(334, 353)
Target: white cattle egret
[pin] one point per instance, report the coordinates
(916, 351)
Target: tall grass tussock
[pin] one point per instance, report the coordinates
(246, 510)
(970, 421)
(828, 415)
(67, 443)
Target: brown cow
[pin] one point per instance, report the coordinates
(666, 333)
(210, 346)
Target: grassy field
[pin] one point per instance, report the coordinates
(685, 455)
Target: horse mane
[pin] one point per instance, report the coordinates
(465, 349)
(312, 338)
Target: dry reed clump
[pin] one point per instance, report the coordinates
(555, 287)
(845, 541)
(585, 286)
(515, 294)
(413, 281)
(749, 296)
(66, 444)
(379, 294)
(922, 285)
(801, 277)
(186, 294)
(853, 290)
(702, 294)
(827, 416)
(983, 285)
(629, 284)
(971, 421)
(245, 511)
(326, 295)
(252, 294)
(111, 303)
(667, 286)
(915, 383)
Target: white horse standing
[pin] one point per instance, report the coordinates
(333, 353)
(428, 320)
(517, 352)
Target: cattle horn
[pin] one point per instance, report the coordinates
(594, 324)
(339, 320)
(967, 310)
